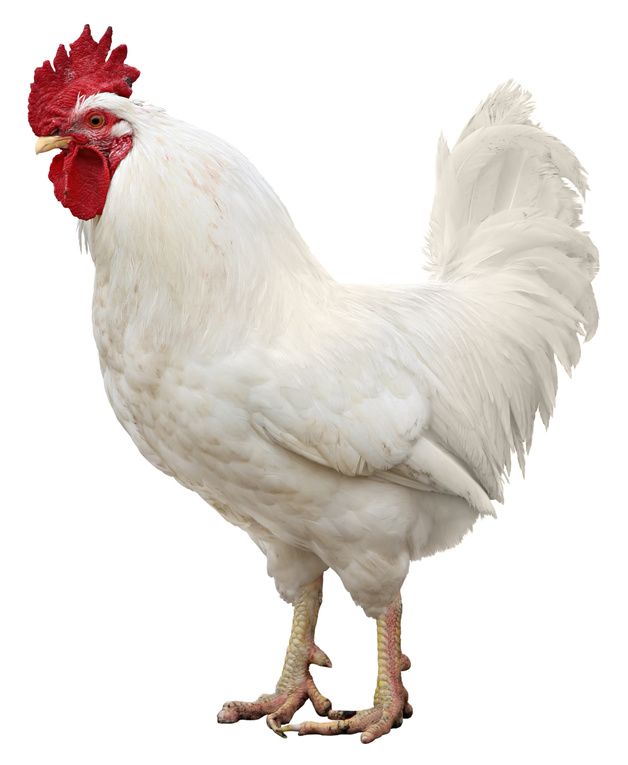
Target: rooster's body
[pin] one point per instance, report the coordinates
(344, 427)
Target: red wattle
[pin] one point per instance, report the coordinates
(81, 179)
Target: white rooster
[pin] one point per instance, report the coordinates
(345, 427)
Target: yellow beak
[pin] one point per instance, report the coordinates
(49, 142)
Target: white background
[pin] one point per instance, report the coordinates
(130, 611)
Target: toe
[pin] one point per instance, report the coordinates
(229, 713)
(232, 711)
(321, 703)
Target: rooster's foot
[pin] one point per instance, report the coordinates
(295, 685)
(390, 705)
(371, 723)
(279, 706)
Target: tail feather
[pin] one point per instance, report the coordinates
(508, 104)
(516, 270)
(497, 169)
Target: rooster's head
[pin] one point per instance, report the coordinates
(93, 141)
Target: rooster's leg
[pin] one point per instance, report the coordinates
(295, 685)
(390, 704)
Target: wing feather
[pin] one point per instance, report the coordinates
(436, 386)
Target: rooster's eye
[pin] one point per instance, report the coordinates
(96, 120)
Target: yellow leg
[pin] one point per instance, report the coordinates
(295, 684)
(390, 704)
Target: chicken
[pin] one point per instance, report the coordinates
(342, 427)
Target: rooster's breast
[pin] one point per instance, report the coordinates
(188, 416)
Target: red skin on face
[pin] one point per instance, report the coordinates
(81, 173)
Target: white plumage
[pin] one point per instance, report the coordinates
(346, 427)
(367, 426)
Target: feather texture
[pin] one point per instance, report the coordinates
(504, 244)
(339, 425)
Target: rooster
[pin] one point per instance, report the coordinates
(342, 427)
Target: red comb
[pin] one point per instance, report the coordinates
(84, 71)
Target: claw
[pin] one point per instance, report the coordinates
(287, 728)
(278, 729)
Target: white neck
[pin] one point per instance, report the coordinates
(192, 232)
